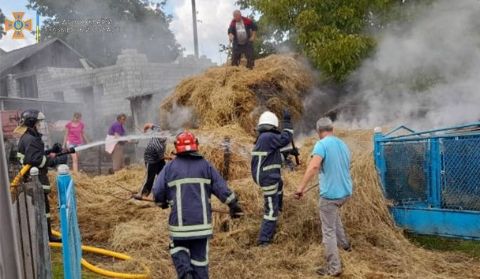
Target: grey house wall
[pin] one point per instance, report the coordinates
(105, 90)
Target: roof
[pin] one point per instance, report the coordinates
(14, 57)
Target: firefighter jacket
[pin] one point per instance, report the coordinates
(31, 150)
(267, 159)
(186, 185)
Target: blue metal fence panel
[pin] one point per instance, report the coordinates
(461, 173)
(433, 179)
(72, 251)
(405, 175)
(443, 222)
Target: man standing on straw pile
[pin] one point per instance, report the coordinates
(330, 157)
(241, 33)
(266, 164)
(186, 184)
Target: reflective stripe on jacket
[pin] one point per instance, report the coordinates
(267, 160)
(186, 185)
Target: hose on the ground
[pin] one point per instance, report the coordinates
(104, 252)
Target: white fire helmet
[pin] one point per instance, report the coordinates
(268, 118)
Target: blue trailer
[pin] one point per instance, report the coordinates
(433, 178)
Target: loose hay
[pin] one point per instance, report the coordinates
(276, 82)
(380, 250)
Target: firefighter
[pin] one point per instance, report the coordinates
(266, 164)
(185, 185)
(31, 151)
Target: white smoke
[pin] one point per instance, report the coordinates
(424, 73)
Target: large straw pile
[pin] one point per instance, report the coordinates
(235, 95)
(380, 250)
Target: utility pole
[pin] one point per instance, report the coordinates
(195, 35)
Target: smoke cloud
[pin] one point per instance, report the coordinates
(424, 73)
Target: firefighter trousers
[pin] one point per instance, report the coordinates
(44, 181)
(190, 257)
(273, 205)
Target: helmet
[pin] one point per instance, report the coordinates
(186, 142)
(268, 118)
(30, 117)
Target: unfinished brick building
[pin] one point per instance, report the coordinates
(52, 76)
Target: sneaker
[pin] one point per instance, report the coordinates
(322, 271)
(263, 244)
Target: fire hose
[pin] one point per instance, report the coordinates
(24, 170)
(104, 252)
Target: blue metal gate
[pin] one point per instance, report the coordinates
(433, 179)
(72, 246)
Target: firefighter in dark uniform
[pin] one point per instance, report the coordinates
(31, 151)
(266, 165)
(185, 185)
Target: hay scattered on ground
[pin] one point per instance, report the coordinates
(235, 95)
(380, 249)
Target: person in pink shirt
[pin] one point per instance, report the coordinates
(74, 136)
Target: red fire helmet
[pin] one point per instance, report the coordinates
(186, 142)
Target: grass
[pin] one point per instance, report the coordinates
(57, 268)
(469, 247)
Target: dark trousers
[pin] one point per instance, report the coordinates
(273, 204)
(190, 257)
(247, 50)
(43, 179)
(152, 171)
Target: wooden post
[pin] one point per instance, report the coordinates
(42, 254)
(226, 157)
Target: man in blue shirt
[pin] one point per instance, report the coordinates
(331, 159)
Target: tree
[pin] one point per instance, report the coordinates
(333, 34)
(2, 22)
(100, 29)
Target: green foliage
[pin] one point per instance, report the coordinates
(100, 29)
(2, 22)
(331, 33)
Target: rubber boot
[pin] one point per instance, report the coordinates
(51, 237)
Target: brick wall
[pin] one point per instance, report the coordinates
(132, 75)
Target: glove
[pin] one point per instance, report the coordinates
(295, 152)
(287, 121)
(56, 148)
(235, 210)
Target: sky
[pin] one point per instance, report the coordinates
(213, 17)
